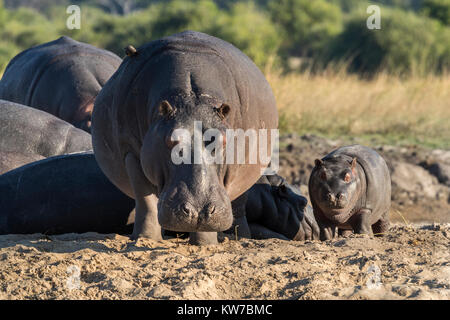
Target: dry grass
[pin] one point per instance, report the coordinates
(386, 108)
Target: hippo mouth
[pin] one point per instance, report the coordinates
(185, 214)
(338, 216)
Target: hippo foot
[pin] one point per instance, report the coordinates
(327, 233)
(345, 233)
(203, 238)
(156, 237)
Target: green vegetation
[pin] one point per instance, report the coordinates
(414, 36)
(389, 84)
(437, 9)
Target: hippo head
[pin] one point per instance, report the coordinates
(192, 191)
(334, 187)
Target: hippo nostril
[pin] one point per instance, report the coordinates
(210, 211)
(341, 197)
(331, 198)
(186, 209)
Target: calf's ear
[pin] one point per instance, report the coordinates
(353, 165)
(318, 163)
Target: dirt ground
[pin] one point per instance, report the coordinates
(411, 262)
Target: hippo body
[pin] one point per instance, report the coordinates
(62, 194)
(28, 134)
(275, 209)
(350, 188)
(70, 194)
(61, 77)
(166, 85)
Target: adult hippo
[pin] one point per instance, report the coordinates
(169, 84)
(28, 134)
(62, 194)
(61, 77)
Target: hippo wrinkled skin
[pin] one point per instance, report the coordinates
(61, 77)
(275, 209)
(165, 85)
(62, 194)
(28, 134)
(350, 188)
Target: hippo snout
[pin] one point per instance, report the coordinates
(338, 201)
(187, 217)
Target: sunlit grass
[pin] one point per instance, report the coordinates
(386, 109)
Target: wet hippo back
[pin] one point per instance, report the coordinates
(61, 77)
(28, 134)
(61, 194)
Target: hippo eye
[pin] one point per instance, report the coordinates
(323, 175)
(223, 110)
(347, 177)
(165, 109)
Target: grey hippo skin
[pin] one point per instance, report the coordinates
(166, 85)
(275, 209)
(70, 194)
(28, 134)
(62, 194)
(350, 189)
(61, 77)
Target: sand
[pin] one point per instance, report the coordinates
(410, 262)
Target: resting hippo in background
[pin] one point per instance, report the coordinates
(28, 135)
(350, 189)
(61, 77)
(62, 194)
(275, 209)
(166, 85)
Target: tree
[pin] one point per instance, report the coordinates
(406, 43)
(437, 9)
(307, 25)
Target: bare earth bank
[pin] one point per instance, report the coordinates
(411, 262)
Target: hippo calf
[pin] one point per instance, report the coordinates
(28, 134)
(61, 77)
(275, 209)
(350, 188)
(170, 84)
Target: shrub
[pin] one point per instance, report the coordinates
(437, 9)
(307, 25)
(405, 44)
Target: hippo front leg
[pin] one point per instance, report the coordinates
(360, 222)
(203, 238)
(146, 223)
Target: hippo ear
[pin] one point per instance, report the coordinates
(318, 163)
(165, 109)
(130, 51)
(353, 164)
(223, 110)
